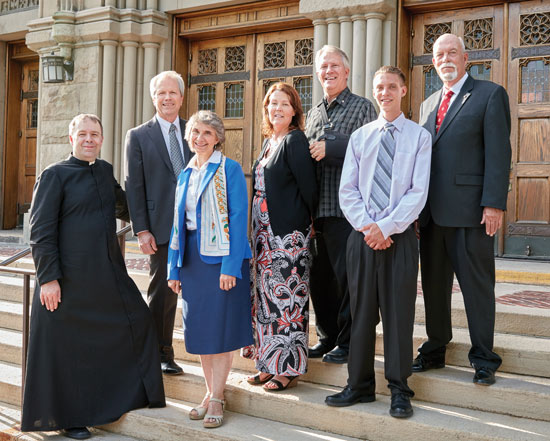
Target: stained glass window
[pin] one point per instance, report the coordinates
(535, 80)
(234, 100)
(207, 98)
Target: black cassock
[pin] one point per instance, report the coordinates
(96, 356)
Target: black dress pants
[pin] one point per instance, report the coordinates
(162, 302)
(328, 282)
(382, 282)
(467, 252)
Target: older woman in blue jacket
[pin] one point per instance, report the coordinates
(208, 259)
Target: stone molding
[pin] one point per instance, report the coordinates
(67, 29)
(314, 9)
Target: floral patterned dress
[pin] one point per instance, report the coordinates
(280, 293)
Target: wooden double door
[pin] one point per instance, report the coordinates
(230, 76)
(510, 45)
(19, 171)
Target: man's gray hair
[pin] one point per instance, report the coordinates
(155, 81)
(327, 48)
(81, 117)
(208, 118)
(459, 39)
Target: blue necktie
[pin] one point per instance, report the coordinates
(381, 186)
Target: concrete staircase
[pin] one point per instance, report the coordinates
(447, 405)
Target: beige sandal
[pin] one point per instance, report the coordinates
(200, 411)
(218, 419)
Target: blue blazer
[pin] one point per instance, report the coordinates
(237, 205)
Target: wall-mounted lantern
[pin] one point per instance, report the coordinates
(55, 69)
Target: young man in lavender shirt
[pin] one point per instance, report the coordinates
(383, 189)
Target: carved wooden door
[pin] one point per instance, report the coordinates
(231, 75)
(528, 221)
(482, 30)
(523, 67)
(222, 80)
(27, 137)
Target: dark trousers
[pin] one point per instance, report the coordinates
(468, 253)
(162, 301)
(382, 282)
(329, 283)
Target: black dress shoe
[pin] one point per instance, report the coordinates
(337, 355)
(400, 405)
(348, 397)
(422, 363)
(484, 376)
(318, 350)
(170, 368)
(76, 433)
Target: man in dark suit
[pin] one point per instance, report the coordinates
(470, 125)
(156, 152)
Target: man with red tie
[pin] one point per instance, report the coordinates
(469, 121)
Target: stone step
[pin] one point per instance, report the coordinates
(304, 406)
(517, 395)
(10, 418)
(173, 424)
(524, 355)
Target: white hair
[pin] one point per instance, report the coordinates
(155, 81)
(327, 48)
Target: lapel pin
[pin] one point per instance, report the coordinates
(465, 97)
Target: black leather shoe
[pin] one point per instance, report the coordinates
(484, 376)
(400, 405)
(170, 368)
(318, 350)
(76, 433)
(337, 355)
(348, 397)
(421, 363)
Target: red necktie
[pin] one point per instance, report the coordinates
(443, 110)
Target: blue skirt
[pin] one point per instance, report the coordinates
(214, 321)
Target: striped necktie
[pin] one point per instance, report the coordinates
(175, 153)
(381, 185)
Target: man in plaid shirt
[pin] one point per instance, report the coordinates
(328, 127)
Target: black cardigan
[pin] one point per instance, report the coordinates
(290, 184)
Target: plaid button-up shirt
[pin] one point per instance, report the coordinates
(346, 114)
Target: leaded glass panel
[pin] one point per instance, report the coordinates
(480, 71)
(32, 114)
(535, 80)
(304, 87)
(432, 82)
(234, 100)
(270, 82)
(207, 98)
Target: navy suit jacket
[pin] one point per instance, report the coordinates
(470, 155)
(150, 181)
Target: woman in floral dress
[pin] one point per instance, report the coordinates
(285, 196)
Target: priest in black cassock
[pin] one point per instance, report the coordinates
(93, 352)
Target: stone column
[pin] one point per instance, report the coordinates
(108, 91)
(320, 33)
(333, 32)
(152, 4)
(389, 33)
(374, 49)
(346, 41)
(359, 54)
(129, 80)
(131, 4)
(149, 71)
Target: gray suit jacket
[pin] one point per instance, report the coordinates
(150, 182)
(470, 155)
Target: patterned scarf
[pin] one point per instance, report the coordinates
(215, 215)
